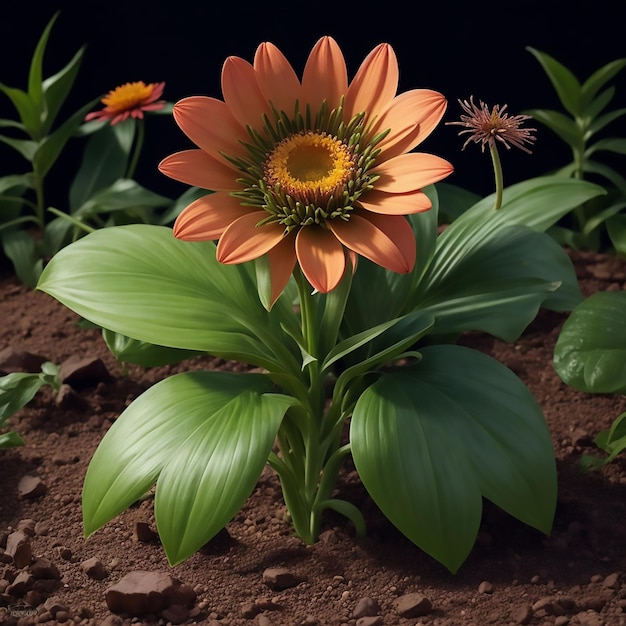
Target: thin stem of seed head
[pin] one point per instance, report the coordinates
(497, 171)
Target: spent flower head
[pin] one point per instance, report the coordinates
(309, 172)
(486, 127)
(129, 100)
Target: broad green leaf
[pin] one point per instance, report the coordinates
(430, 440)
(104, 162)
(564, 82)
(453, 201)
(122, 195)
(392, 290)
(11, 440)
(57, 88)
(142, 282)
(19, 246)
(203, 437)
(598, 79)
(590, 353)
(129, 350)
(16, 391)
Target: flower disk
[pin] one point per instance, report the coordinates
(129, 100)
(312, 171)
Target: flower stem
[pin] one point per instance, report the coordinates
(497, 171)
(137, 151)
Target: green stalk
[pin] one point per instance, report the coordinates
(497, 171)
(138, 147)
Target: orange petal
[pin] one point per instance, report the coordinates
(276, 78)
(386, 240)
(282, 258)
(395, 203)
(242, 93)
(207, 218)
(411, 116)
(321, 257)
(409, 172)
(210, 125)
(243, 240)
(197, 168)
(375, 83)
(325, 75)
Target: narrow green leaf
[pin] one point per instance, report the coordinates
(612, 144)
(25, 147)
(598, 79)
(11, 440)
(52, 145)
(590, 353)
(19, 246)
(57, 88)
(35, 74)
(560, 124)
(16, 391)
(616, 229)
(564, 82)
(28, 111)
(600, 122)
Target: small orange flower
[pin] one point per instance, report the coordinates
(129, 100)
(313, 171)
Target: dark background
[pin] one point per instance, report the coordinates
(458, 48)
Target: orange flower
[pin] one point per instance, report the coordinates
(129, 100)
(309, 171)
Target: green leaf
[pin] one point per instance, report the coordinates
(57, 88)
(453, 201)
(26, 147)
(11, 440)
(598, 79)
(560, 124)
(564, 82)
(20, 247)
(430, 440)
(590, 353)
(51, 146)
(612, 144)
(104, 162)
(498, 286)
(142, 282)
(599, 123)
(129, 350)
(16, 391)
(616, 229)
(204, 437)
(35, 75)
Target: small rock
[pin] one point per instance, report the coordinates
(42, 569)
(143, 592)
(175, 613)
(14, 360)
(18, 548)
(279, 578)
(68, 398)
(523, 615)
(611, 581)
(143, 533)
(366, 607)
(412, 605)
(370, 620)
(31, 487)
(485, 587)
(249, 610)
(22, 583)
(94, 569)
(86, 372)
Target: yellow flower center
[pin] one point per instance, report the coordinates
(127, 96)
(311, 167)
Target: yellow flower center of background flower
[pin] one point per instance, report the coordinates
(127, 96)
(310, 166)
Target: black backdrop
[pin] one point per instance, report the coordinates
(458, 48)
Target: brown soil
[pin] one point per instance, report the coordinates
(514, 575)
